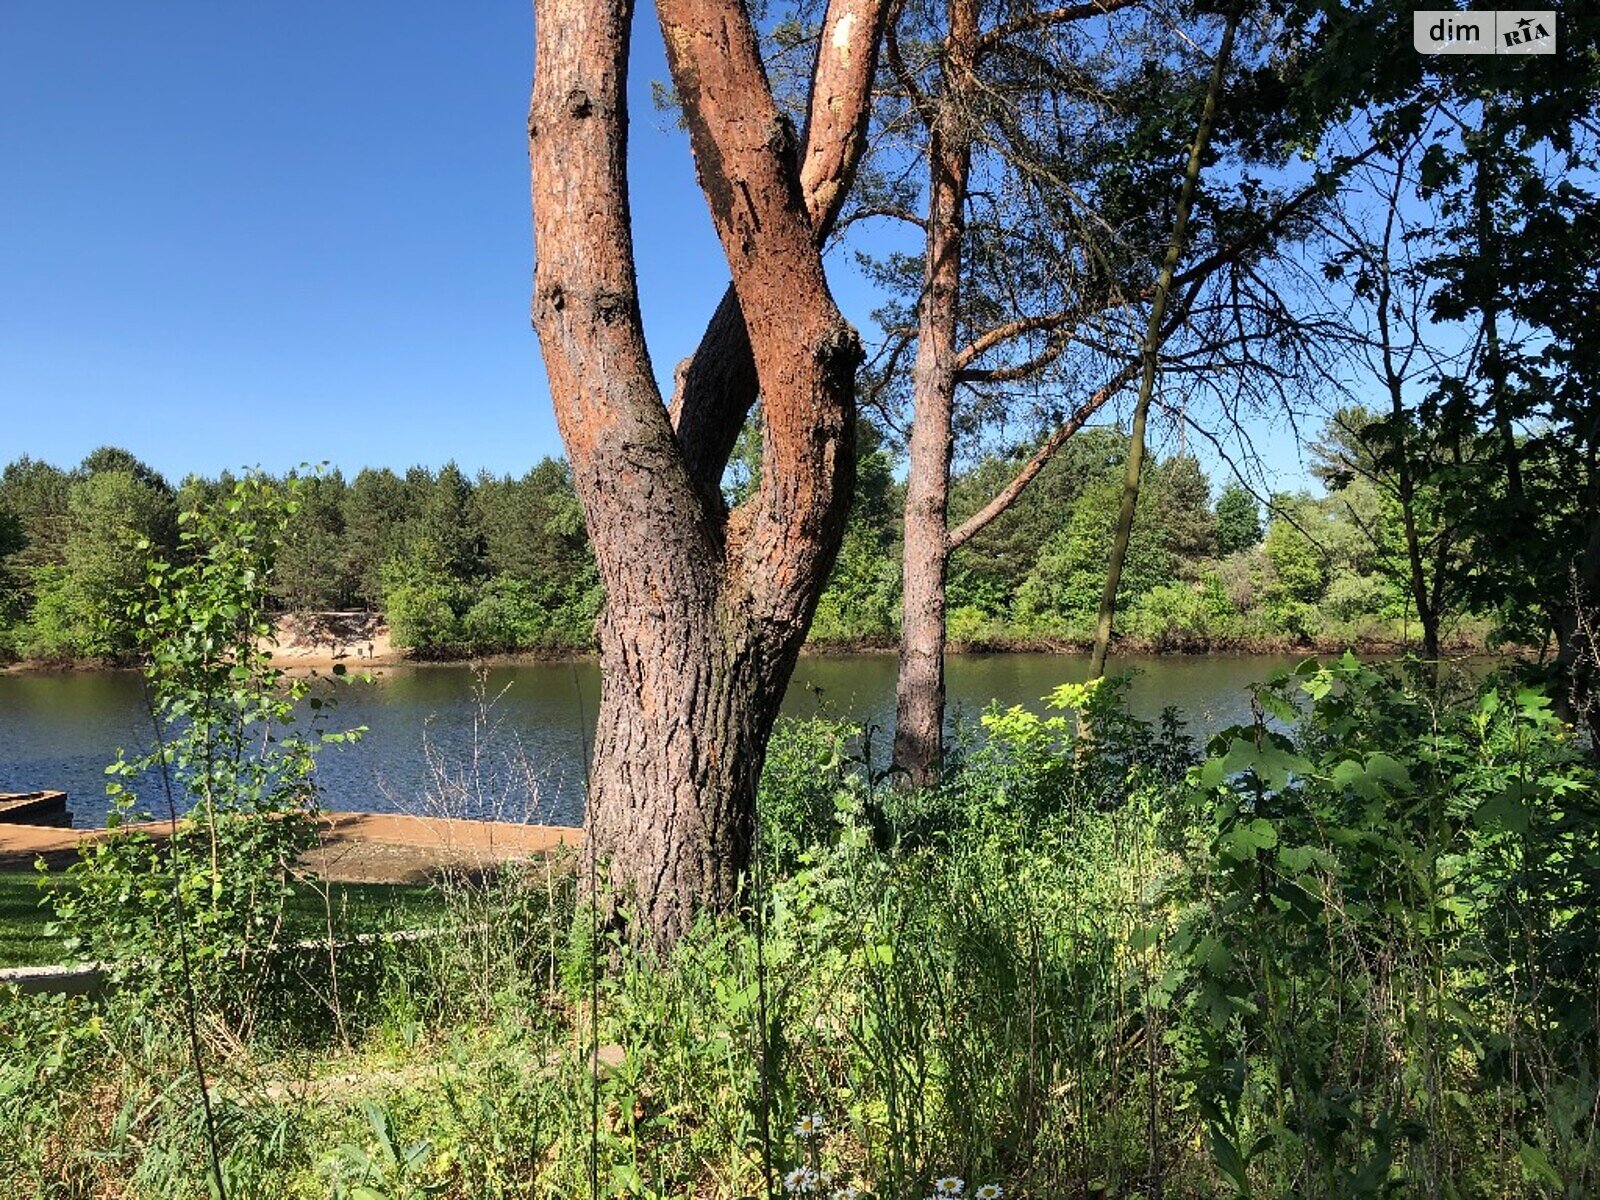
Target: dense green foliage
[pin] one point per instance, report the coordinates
(460, 566)
(455, 564)
(30, 936)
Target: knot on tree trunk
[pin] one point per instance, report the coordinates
(613, 306)
(552, 298)
(839, 353)
(785, 143)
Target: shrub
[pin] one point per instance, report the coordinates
(1354, 597)
(1186, 617)
(506, 616)
(203, 908)
(967, 623)
(808, 772)
(1372, 923)
(421, 603)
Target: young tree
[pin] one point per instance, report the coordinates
(705, 608)
(1150, 353)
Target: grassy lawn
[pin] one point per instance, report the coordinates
(365, 906)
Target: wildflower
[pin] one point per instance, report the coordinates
(808, 1126)
(990, 1191)
(848, 1192)
(800, 1181)
(949, 1185)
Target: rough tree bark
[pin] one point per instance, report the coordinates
(705, 609)
(919, 687)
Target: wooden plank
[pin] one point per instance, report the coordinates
(42, 808)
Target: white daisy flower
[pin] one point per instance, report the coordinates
(990, 1191)
(799, 1181)
(848, 1192)
(809, 1125)
(949, 1185)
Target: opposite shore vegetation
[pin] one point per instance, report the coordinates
(457, 566)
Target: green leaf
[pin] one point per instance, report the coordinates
(1537, 1163)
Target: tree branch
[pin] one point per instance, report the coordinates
(1004, 498)
(1276, 219)
(717, 385)
(880, 210)
(1042, 18)
(991, 338)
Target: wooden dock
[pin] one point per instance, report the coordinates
(48, 809)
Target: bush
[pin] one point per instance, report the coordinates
(421, 604)
(517, 614)
(1184, 617)
(808, 772)
(1373, 923)
(1357, 597)
(506, 616)
(200, 912)
(967, 623)
(1091, 754)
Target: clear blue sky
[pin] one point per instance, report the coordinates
(247, 233)
(265, 234)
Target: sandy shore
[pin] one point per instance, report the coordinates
(353, 848)
(356, 640)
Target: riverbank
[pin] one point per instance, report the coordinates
(361, 641)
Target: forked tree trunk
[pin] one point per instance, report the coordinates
(689, 694)
(705, 610)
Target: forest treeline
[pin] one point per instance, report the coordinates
(462, 564)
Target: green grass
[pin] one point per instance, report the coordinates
(23, 942)
(364, 906)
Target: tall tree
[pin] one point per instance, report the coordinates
(377, 506)
(311, 570)
(705, 608)
(1517, 256)
(1238, 520)
(1053, 146)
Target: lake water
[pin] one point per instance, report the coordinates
(507, 743)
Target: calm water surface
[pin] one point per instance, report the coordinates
(508, 744)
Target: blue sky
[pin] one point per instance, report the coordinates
(250, 233)
(247, 234)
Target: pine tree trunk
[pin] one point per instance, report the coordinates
(685, 713)
(919, 687)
